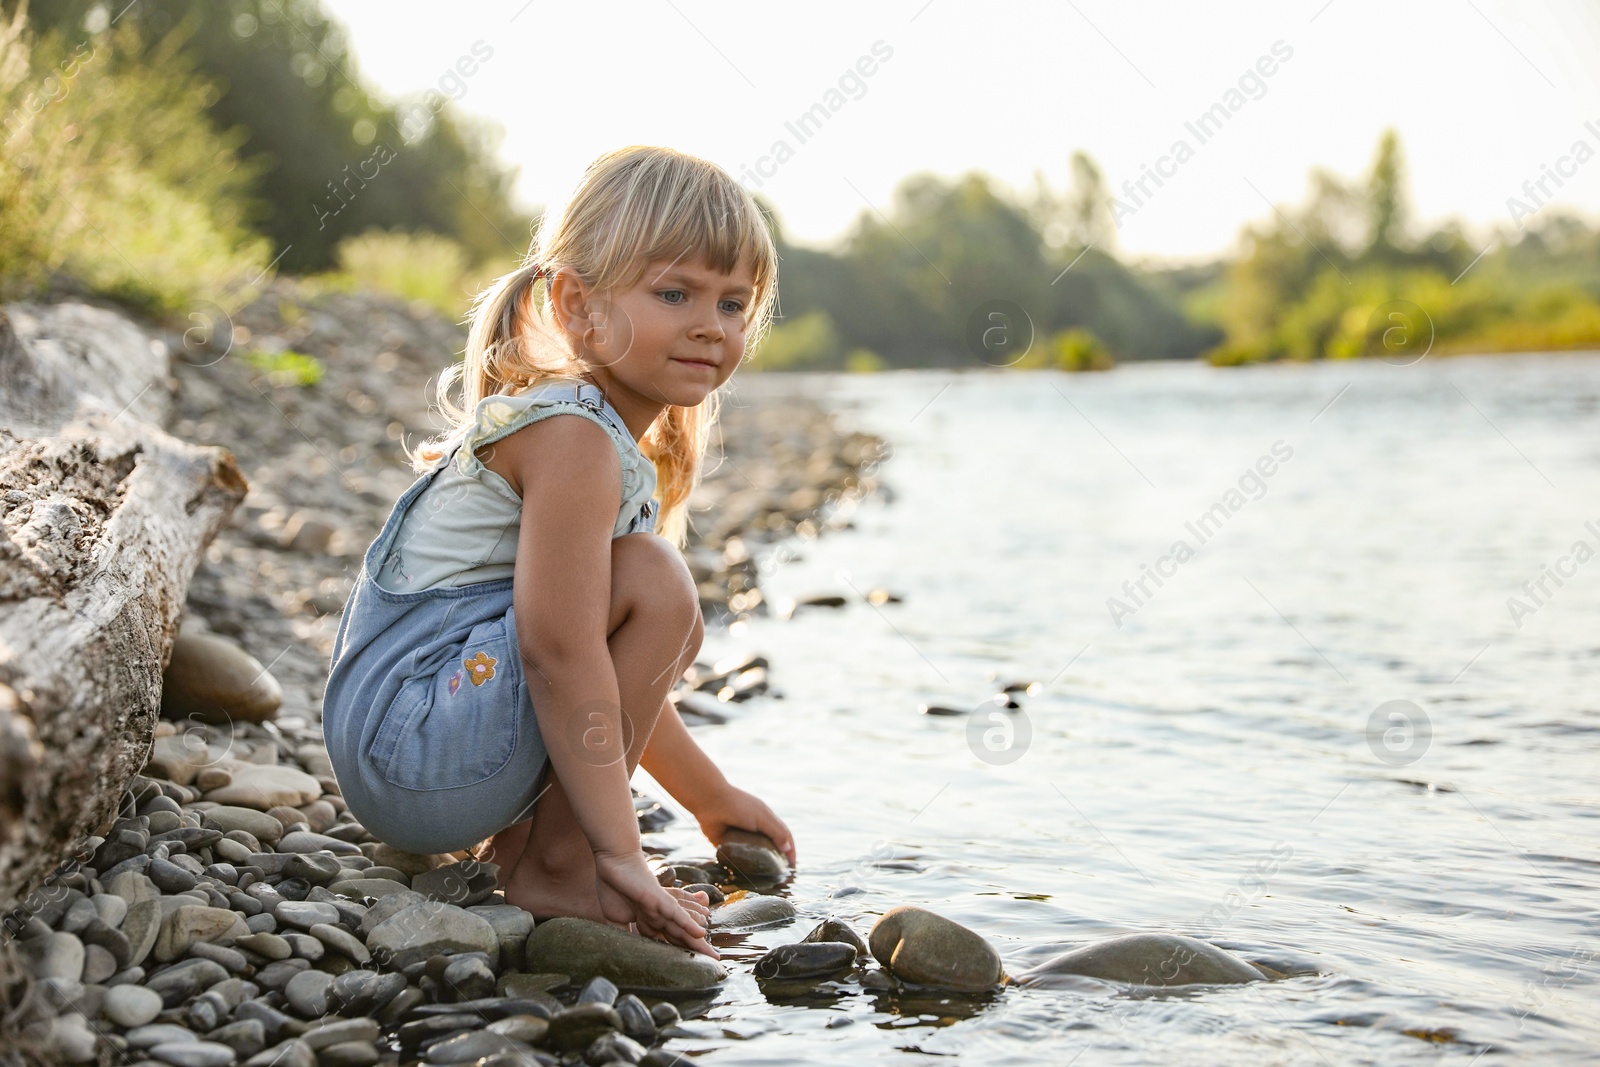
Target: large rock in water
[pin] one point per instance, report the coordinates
(1146, 959)
(582, 948)
(915, 945)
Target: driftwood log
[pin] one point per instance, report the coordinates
(103, 519)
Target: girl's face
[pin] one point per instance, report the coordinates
(675, 335)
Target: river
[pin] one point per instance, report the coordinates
(1323, 736)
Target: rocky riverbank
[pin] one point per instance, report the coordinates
(179, 934)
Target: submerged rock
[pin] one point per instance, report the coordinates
(1147, 959)
(750, 911)
(583, 949)
(915, 945)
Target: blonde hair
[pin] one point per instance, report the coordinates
(633, 205)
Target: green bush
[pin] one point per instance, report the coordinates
(110, 174)
(423, 267)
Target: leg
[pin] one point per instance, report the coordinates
(655, 633)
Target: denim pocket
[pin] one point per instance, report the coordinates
(459, 725)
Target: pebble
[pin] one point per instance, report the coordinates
(194, 1054)
(343, 942)
(917, 946)
(304, 915)
(267, 945)
(530, 1029)
(131, 1005)
(307, 993)
(257, 824)
(321, 1034)
(577, 1027)
(187, 925)
(461, 884)
(468, 1047)
(169, 877)
(158, 1033)
(56, 955)
(210, 678)
(468, 978)
(751, 911)
(141, 927)
(429, 928)
(837, 930)
(246, 1037)
(265, 786)
(317, 868)
(806, 959)
(291, 1053)
(752, 858)
(70, 1040)
(583, 948)
(348, 1054)
(304, 841)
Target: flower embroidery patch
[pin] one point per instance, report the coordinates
(480, 668)
(455, 682)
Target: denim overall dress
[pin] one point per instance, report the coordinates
(426, 713)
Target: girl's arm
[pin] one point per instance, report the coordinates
(571, 482)
(674, 759)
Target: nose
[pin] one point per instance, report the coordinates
(708, 328)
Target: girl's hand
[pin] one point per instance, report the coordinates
(745, 811)
(630, 893)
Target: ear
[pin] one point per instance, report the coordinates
(569, 300)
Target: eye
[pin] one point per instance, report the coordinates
(737, 308)
(664, 293)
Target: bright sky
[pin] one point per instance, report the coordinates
(1484, 93)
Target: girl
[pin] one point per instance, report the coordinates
(504, 660)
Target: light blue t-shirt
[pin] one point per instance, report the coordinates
(463, 527)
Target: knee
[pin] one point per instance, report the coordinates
(648, 573)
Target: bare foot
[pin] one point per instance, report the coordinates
(548, 894)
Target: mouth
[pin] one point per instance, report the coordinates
(706, 363)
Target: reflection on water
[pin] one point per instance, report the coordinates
(1203, 754)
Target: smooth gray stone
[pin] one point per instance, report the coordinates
(430, 928)
(1146, 959)
(157, 1034)
(348, 1054)
(750, 912)
(111, 908)
(131, 1005)
(308, 993)
(511, 925)
(304, 841)
(246, 1036)
(290, 1053)
(577, 1027)
(598, 990)
(70, 1040)
(470, 1047)
(55, 955)
(341, 941)
(320, 1035)
(304, 914)
(195, 1054)
(387, 908)
(141, 927)
(467, 978)
(183, 980)
(257, 824)
(268, 946)
(318, 869)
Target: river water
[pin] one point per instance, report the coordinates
(1327, 740)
